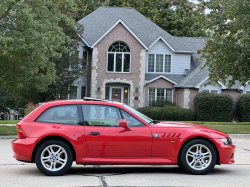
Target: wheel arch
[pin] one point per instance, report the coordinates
(50, 138)
(204, 138)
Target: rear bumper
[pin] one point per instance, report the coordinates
(226, 152)
(23, 148)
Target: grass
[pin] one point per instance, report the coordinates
(227, 127)
(217, 123)
(232, 129)
(8, 121)
(8, 130)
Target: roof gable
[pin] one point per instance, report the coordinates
(99, 23)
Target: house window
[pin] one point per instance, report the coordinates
(210, 91)
(83, 93)
(118, 58)
(73, 92)
(248, 92)
(74, 61)
(159, 63)
(69, 93)
(160, 93)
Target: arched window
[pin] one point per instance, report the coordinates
(118, 57)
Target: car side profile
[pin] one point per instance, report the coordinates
(100, 132)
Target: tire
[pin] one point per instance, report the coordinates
(53, 157)
(198, 157)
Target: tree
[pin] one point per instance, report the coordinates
(181, 17)
(178, 17)
(33, 34)
(7, 103)
(228, 43)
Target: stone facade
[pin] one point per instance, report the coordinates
(137, 65)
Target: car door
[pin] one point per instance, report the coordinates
(105, 138)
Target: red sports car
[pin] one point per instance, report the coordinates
(100, 132)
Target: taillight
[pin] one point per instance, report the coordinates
(21, 134)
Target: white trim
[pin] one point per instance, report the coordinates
(161, 76)
(86, 42)
(119, 21)
(204, 80)
(164, 63)
(165, 93)
(222, 85)
(160, 37)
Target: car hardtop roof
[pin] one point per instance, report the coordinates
(82, 101)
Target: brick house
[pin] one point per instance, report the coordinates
(133, 60)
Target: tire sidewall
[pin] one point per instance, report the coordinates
(184, 163)
(40, 150)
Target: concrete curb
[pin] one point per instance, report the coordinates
(240, 136)
(7, 124)
(9, 137)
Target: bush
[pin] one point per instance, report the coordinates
(29, 108)
(161, 103)
(243, 108)
(172, 113)
(213, 107)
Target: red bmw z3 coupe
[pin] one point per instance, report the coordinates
(101, 132)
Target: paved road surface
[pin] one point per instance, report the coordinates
(14, 173)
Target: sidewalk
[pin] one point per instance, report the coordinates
(8, 124)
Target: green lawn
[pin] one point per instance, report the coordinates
(227, 127)
(216, 123)
(8, 121)
(8, 130)
(232, 129)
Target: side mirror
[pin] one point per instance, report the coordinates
(123, 123)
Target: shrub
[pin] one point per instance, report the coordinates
(161, 103)
(172, 113)
(29, 108)
(243, 108)
(213, 107)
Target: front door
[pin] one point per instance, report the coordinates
(116, 94)
(105, 138)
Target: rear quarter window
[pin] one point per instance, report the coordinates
(65, 114)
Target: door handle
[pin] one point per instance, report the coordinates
(94, 133)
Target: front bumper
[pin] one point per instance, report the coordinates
(23, 148)
(226, 152)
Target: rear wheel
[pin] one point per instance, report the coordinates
(198, 157)
(54, 157)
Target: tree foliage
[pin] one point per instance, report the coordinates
(227, 47)
(33, 34)
(178, 17)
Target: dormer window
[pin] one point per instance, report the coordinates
(118, 58)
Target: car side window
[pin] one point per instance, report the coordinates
(101, 115)
(64, 114)
(131, 120)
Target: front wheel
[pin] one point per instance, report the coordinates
(198, 157)
(54, 157)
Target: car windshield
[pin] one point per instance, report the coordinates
(145, 118)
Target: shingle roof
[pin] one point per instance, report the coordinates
(101, 20)
(194, 75)
(173, 77)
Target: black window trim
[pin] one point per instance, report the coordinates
(119, 110)
(79, 112)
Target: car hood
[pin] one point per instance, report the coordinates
(187, 129)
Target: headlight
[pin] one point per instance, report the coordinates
(226, 141)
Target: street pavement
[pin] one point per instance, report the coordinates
(15, 173)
